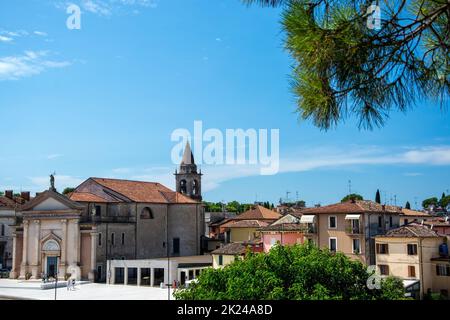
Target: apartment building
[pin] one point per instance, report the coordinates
(415, 252)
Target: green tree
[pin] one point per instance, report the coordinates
(1, 194)
(299, 272)
(353, 196)
(408, 205)
(344, 67)
(68, 190)
(378, 196)
(430, 201)
(445, 201)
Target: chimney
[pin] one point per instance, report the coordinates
(25, 195)
(9, 194)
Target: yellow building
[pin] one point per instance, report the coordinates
(244, 227)
(410, 252)
(232, 251)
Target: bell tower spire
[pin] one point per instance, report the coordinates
(188, 180)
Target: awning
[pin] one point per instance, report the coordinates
(352, 217)
(307, 219)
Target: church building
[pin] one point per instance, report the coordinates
(108, 219)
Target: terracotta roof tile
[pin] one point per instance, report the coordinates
(147, 192)
(358, 206)
(412, 230)
(284, 227)
(408, 212)
(86, 197)
(245, 224)
(258, 213)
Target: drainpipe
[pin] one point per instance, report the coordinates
(421, 268)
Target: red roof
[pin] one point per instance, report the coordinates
(258, 213)
(137, 191)
(358, 206)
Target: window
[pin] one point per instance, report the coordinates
(406, 221)
(147, 213)
(123, 238)
(412, 249)
(411, 271)
(3, 230)
(176, 245)
(333, 244)
(99, 239)
(382, 248)
(390, 222)
(332, 222)
(273, 241)
(183, 186)
(380, 222)
(113, 238)
(221, 260)
(98, 211)
(384, 269)
(356, 246)
(443, 270)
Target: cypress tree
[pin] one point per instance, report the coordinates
(378, 197)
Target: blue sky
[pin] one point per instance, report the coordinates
(104, 100)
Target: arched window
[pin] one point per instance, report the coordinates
(147, 213)
(195, 187)
(50, 245)
(183, 186)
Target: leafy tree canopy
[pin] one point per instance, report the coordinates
(430, 201)
(300, 272)
(344, 66)
(353, 196)
(68, 190)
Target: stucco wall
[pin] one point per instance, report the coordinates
(242, 234)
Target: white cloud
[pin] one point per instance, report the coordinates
(412, 174)
(40, 33)
(108, 7)
(5, 39)
(28, 64)
(97, 7)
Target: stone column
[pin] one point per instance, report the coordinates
(113, 274)
(125, 276)
(14, 270)
(24, 264)
(63, 263)
(35, 265)
(93, 255)
(77, 240)
(152, 277)
(138, 276)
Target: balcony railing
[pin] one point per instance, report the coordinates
(353, 230)
(309, 229)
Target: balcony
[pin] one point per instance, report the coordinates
(309, 228)
(353, 230)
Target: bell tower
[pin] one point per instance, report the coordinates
(188, 180)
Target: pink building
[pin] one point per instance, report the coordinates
(283, 233)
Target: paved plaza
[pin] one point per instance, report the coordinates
(16, 289)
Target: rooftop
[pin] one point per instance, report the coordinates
(136, 191)
(258, 213)
(356, 206)
(411, 230)
(235, 248)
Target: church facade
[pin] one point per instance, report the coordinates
(52, 241)
(109, 219)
